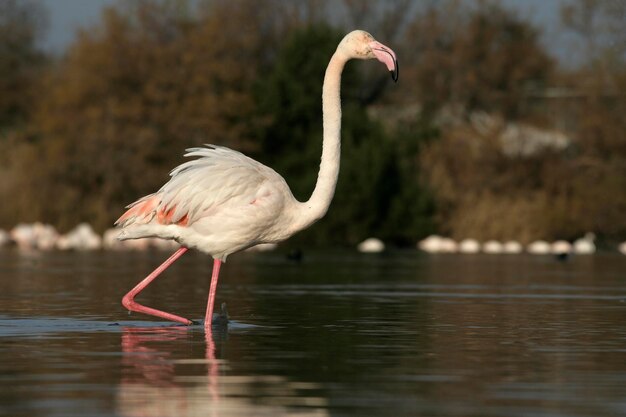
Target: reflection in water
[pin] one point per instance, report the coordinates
(156, 381)
(213, 370)
(146, 363)
(341, 334)
(147, 385)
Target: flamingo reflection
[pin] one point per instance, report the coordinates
(152, 383)
(177, 371)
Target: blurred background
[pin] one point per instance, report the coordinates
(508, 121)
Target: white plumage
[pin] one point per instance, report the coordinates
(220, 203)
(585, 245)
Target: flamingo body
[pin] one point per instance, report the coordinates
(371, 245)
(493, 247)
(220, 203)
(512, 246)
(469, 246)
(585, 245)
(538, 247)
(561, 247)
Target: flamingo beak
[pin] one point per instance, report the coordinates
(385, 55)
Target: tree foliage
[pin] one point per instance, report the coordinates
(20, 60)
(485, 58)
(104, 125)
(128, 99)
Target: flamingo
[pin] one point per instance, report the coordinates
(438, 244)
(82, 237)
(561, 247)
(431, 244)
(538, 247)
(512, 246)
(469, 246)
(585, 245)
(493, 247)
(371, 245)
(223, 202)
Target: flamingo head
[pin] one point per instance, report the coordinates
(361, 45)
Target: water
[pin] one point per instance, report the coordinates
(338, 334)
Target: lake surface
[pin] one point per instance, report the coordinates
(337, 334)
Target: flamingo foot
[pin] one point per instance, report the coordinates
(129, 302)
(221, 319)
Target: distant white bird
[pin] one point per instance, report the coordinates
(512, 246)
(82, 237)
(223, 202)
(469, 246)
(23, 234)
(46, 236)
(34, 236)
(492, 246)
(438, 244)
(448, 245)
(431, 244)
(371, 245)
(622, 248)
(561, 247)
(585, 245)
(538, 247)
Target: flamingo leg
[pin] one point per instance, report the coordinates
(208, 319)
(129, 299)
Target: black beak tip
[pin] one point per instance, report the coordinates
(395, 73)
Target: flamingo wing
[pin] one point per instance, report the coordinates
(218, 178)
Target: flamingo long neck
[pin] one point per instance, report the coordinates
(317, 206)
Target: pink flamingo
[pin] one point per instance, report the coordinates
(224, 202)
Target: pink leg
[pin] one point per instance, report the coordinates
(129, 299)
(209, 308)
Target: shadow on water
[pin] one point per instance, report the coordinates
(338, 334)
